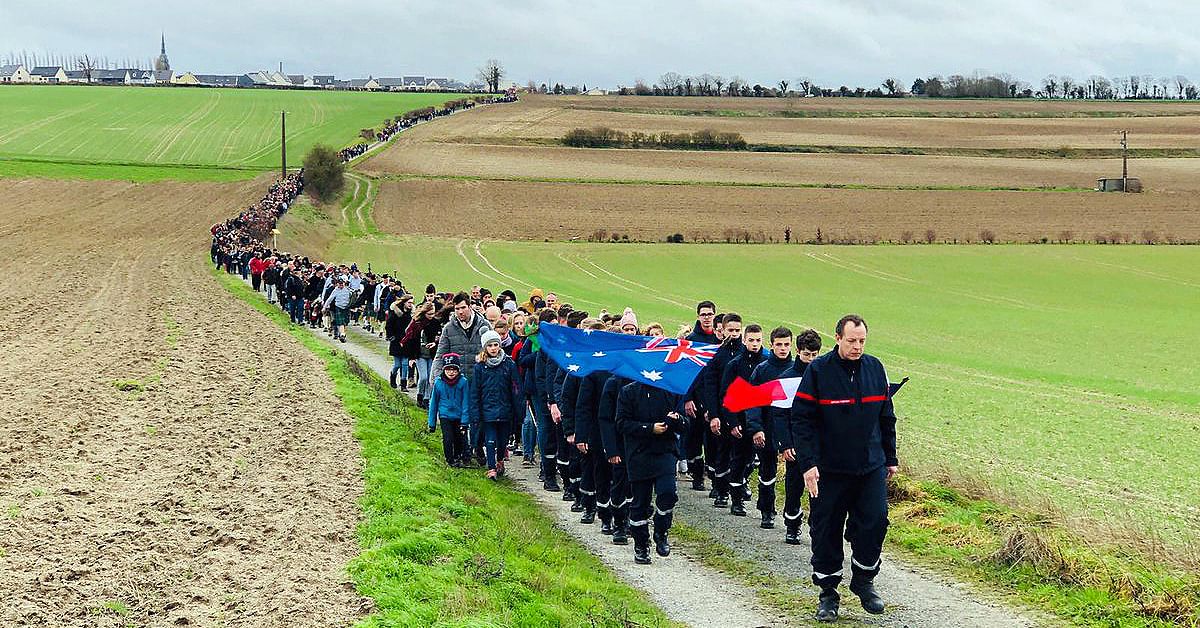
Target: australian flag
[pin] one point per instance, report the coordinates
(667, 363)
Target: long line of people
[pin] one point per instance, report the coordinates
(613, 447)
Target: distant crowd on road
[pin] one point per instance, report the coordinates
(619, 446)
(392, 126)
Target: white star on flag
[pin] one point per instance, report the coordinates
(588, 331)
(572, 367)
(599, 354)
(567, 354)
(653, 376)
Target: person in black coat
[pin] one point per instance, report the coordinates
(649, 420)
(846, 442)
(741, 449)
(716, 437)
(398, 320)
(613, 444)
(703, 333)
(760, 427)
(808, 346)
(545, 410)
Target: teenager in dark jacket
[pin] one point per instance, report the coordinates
(495, 399)
(398, 320)
(614, 452)
(545, 409)
(846, 441)
(567, 388)
(808, 347)
(449, 401)
(595, 479)
(716, 445)
(649, 420)
(703, 332)
(741, 449)
(760, 427)
(526, 361)
(425, 329)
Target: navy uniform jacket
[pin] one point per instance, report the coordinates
(741, 366)
(566, 401)
(614, 443)
(710, 386)
(648, 455)
(762, 419)
(587, 410)
(696, 392)
(845, 420)
(785, 420)
(543, 379)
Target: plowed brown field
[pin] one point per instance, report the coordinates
(219, 487)
(519, 210)
(466, 146)
(551, 118)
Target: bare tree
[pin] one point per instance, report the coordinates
(87, 64)
(783, 85)
(804, 85)
(1181, 84)
(891, 86)
(719, 81)
(704, 83)
(735, 86)
(1050, 85)
(670, 82)
(1066, 83)
(491, 73)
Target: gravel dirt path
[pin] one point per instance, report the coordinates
(167, 456)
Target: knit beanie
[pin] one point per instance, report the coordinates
(510, 306)
(489, 336)
(628, 318)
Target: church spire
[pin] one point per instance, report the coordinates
(164, 44)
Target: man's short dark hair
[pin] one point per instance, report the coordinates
(547, 316)
(706, 304)
(575, 318)
(808, 340)
(461, 297)
(718, 319)
(752, 328)
(780, 332)
(731, 317)
(850, 318)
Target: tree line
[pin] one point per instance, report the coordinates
(977, 85)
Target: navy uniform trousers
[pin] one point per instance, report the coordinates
(861, 502)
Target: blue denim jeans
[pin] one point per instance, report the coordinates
(423, 366)
(529, 434)
(296, 308)
(491, 435)
(400, 365)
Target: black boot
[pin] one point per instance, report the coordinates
(698, 483)
(661, 546)
(738, 507)
(606, 521)
(620, 533)
(551, 485)
(792, 536)
(403, 385)
(589, 516)
(578, 506)
(392, 380)
(641, 544)
(865, 590)
(714, 493)
(722, 501)
(827, 605)
(768, 521)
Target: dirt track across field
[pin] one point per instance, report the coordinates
(167, 456)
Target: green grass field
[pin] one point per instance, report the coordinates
(1060, 376)
(176, 133)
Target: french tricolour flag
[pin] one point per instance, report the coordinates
(742, 395)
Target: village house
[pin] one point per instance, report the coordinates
(14, 74)
(48, 74)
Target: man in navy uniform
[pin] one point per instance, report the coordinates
(648, 419)
(846, 442)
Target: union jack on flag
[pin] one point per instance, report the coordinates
(667, 363)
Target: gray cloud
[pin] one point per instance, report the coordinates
(610, 43)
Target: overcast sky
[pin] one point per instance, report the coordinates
(856, 42)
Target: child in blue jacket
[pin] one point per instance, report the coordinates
(449, 400)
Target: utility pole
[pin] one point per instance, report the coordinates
(283, 143)
(1124, 160)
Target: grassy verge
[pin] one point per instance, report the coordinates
(888, 113)
(446, 547)
(1088, 584)
(740, 184)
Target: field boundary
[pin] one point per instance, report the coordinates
(892, 113)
